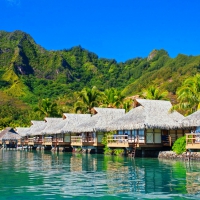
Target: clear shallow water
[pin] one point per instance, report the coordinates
(39, 175)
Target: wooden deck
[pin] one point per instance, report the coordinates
(31, 141)
(121, 141)
(47, 141)
(76, 140)
(83, 141)
(193, 141)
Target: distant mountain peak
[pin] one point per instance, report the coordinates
(152, 55)
(157, 53)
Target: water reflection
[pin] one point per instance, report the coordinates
(40, 175)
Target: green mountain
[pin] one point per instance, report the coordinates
(28, 72)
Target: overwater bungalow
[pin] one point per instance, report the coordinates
(35, 136)
(150, 125)
(87, 135)
(9, 138)
(51, 135)
(193, 122)
(23, 132)
(73, 121)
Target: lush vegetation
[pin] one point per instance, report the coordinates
(180, 145)
(154, 93)
(189, 95)
(35, 82)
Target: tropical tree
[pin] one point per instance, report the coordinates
(189, 95)
(112, 98)
(47, 108)
(154, 93)
(87, 99)
(127, 104)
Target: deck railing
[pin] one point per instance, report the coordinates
(76, 139)
(88, 139)
(38, 140)
(120, 140)
(192, 140)
(47, 141)
(81, 140)
(117, 139)
(31, 141)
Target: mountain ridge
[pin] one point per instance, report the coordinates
(29, 72)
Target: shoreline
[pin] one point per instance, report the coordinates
(184, 156)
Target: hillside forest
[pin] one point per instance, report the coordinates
(37, 83)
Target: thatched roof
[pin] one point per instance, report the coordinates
(100, 120)
(23, 131)
(53, 125)
(74, 120)
(192, 120)
(37, 127)
(9, 134)
(148, 114)
(8, 129)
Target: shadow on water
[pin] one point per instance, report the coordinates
(48, 175)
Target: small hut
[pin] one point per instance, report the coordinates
(51, 131)
(73, 121)
(35, 136)
(9, 138)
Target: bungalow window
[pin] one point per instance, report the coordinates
(141, 135)
(99, 137)
(67, 138)
(128, 132)
(197, 129)
(149, 136)
(157, 136)
(120, 132)
(153, 136)
(133, 137)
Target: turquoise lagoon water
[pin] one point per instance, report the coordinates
(39, 175)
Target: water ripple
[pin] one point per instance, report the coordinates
(39, 175)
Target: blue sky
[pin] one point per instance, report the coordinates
(113, 29)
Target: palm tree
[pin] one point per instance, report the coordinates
(88, 98)
(127, 104)
(47, 108)
(189, 95)
(154, 93)
(112, 98)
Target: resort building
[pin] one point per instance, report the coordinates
(150, 125)
(62, 132)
